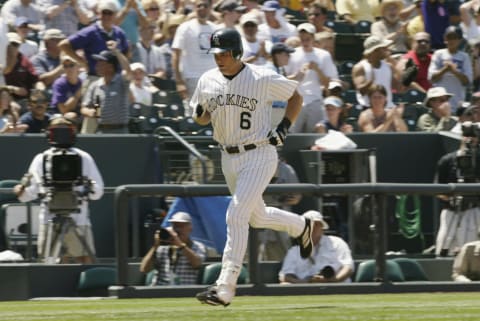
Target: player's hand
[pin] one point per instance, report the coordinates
(277, 138)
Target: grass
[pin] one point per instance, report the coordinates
(425, 307)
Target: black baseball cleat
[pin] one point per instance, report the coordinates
(305, 239)
(210, 297)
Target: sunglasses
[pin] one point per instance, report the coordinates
(153, 9)
(107, 13)
(249, 25)
(314, 14)
(202, 5)
(68, 65)
(38, 102)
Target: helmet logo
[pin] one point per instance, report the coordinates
(216, 40)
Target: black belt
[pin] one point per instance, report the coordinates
(236, 149)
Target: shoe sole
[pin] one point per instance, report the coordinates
(208, 298)
(306, 251)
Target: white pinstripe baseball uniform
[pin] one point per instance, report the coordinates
(240, 111)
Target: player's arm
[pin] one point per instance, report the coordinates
(294, 106)
(201, 115)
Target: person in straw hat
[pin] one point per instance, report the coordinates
(390, 26)
(439, 117)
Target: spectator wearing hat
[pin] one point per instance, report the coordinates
(356, 10)
(451, 67)
(65, 15)
(47, 61)
(109, 95)
(331, 259)
(334, 121)
(230, 12)
(20, 76)
(145, 51)
(279, 58)
(12, 9)
(176, 258)
(93, 38)
(468, 112)
(254, 8)
(276, 28)
(466, 265)
(379, 119)
(421, 57)
(37, 117)
(172, 24)
(28, 47)
(391, 27)
(141, 88)
(67, 89)
(313, 68)
(439, 116)
(253, 49)
(374, 69)
(190, 45)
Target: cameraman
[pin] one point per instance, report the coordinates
(460, 216)
(61, 136)
(331, 259)
(176, 258)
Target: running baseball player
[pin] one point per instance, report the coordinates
(237, 99)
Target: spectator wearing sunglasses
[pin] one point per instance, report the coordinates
(37, 118)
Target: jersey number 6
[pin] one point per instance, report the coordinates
(245, 120)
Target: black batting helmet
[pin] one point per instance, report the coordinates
(227, 39)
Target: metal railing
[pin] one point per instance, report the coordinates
(378, 191)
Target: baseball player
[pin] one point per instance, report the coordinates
(237, 99)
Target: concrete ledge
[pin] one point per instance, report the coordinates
(303, 289)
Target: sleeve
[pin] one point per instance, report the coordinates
(59, 94)
(344, 254)
(467, 68)
(178, 40)
(79, 39)
(330, 69)
(36, 172)
(90, 170)
(377, 30)
(38, 66)
(434, 66)
(197, 98)
(281, 88)
(290, 262)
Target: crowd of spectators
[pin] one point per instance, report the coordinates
(408, 45)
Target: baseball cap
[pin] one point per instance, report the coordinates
(248, 17)
(110, 5)
(180, 217)
(270, 5)
(106, 55)
(334, 84)
(21, 21)
(231, 5)
(435, 92)
(14, 37)
(53, 34)
(374, 42)
(68, 58)
(453, 30)
(334, 101)
(138, 65)
(280, 47)
(316, 216)
(308, 27)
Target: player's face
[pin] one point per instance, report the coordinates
(226, 63)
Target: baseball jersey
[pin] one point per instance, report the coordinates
(241, 108)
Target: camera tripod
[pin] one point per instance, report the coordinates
(57, 228)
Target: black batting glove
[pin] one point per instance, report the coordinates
(278, 138)
(199, 111)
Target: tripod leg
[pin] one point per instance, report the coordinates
(48, 244)
(57, 246)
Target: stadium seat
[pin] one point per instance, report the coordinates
(95, 281)
(345, 67)
(6, 198)
(366, 271)
(339, 26)
(350, 96)
(411, 269)
(149, 277)
(212, 271)
(362, 26)
(414, 96)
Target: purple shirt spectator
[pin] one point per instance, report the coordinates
(61, 91)
(92, 40)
